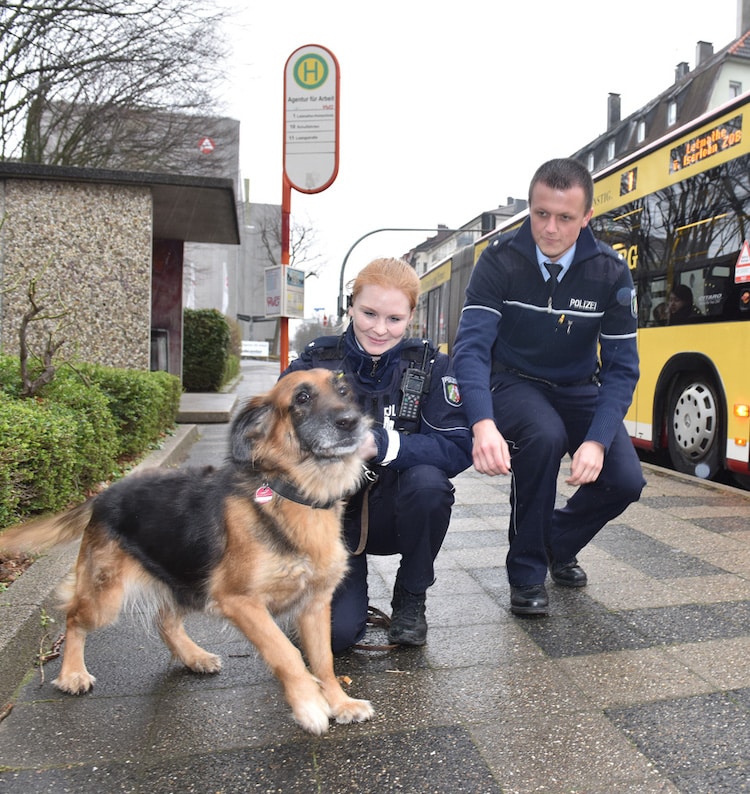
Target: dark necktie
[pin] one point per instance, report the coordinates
(554, 269)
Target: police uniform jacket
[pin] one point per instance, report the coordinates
(585, 334)
(440, 436)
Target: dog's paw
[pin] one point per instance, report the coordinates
(313, 717)
(75, 683)
(353, 711)
(207, 663)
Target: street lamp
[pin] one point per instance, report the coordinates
(341, 308)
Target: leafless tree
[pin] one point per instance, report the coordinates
(36, 359)
(312, 329)
(37, 311)
(83, 81)
(302, 240)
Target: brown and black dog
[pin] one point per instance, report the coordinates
(258, 538)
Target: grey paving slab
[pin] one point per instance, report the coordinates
(638, 683)
(696, 741)
(206, 408)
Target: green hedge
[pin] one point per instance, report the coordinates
(206, 350)
(55, 446)
(143, 404)
(37, 459)
(87, 410)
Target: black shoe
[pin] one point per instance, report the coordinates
(568, 575)
(529, 600)
(408, 624)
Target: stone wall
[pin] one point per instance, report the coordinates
(89, 247)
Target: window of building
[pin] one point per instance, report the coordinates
(640, 131)
(611, 149)
(735, 88)
(671, 113)
(590, 161)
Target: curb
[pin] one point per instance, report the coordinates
(174, 451)
(195, 408)
(31, 603)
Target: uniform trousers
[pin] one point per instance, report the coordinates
(409, 512)
(541, 423)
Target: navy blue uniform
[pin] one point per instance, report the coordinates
(409, 506)
(552, 374)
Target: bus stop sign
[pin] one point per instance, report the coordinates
(311, 119)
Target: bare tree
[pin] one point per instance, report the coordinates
(312, 329)
(37, 311)
(53, 316)
(82, 81)
(302, 240)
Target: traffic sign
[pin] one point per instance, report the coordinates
(742, 266)
(311, 119)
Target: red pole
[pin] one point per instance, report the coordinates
(286, 209)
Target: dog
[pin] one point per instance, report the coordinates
(254, 540)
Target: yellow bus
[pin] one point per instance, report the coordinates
(678, 211)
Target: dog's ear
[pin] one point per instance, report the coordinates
(251, 423)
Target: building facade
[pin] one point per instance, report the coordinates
(716, 78)
(101, 252)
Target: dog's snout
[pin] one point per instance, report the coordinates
(347, 420)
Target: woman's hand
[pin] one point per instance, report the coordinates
(368, 449)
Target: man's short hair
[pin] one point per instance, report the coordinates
(562, 174)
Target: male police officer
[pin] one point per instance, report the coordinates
(542, 305)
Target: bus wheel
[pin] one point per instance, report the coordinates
(693, 428)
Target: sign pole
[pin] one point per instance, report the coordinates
(311, 143)
(286, 209)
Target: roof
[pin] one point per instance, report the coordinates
(692, 92)
(194, 209)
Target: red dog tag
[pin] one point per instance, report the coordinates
(263, 494)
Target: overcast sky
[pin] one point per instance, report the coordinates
(447, 109)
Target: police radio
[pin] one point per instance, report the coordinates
(413, 385)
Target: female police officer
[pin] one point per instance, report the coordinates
(419, 440)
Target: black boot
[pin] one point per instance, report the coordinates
(408, 624)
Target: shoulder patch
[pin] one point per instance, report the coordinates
(323, 342)
(451, 392)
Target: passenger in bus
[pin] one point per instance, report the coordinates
(661, 314)
(546, 357)
(419, 440)
(681, 307)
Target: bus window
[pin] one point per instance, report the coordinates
(716, 291)
(435, 318)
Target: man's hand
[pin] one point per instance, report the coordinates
(587, 463)
(490, 452)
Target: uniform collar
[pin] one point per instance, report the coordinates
(369, 368)
(564, 261)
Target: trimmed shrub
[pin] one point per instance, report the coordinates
(232, 369)
(37, 470)
(54, 447)
(206, 343)
(97, 444)
(235, 337)
(144, 404)
(171, 388)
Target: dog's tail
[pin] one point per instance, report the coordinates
(41, 533)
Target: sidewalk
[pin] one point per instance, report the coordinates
(638, 683)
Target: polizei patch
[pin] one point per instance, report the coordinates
(451, 392)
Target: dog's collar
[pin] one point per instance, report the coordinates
(288, 491)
